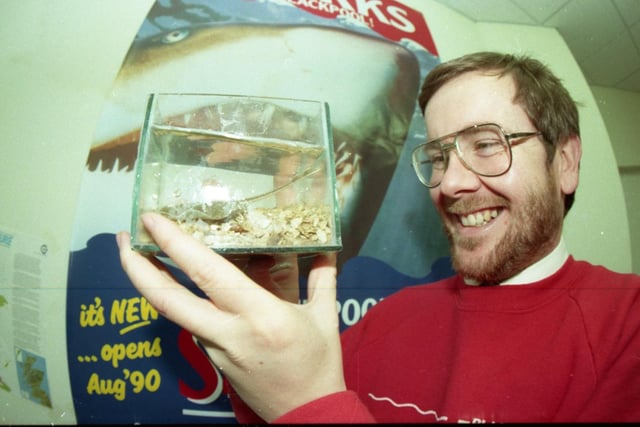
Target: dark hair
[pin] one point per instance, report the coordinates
(540, 93)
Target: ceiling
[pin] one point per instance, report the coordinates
(603, 35)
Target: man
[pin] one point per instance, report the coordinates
(523, 333)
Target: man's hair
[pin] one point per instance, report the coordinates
(540, 93)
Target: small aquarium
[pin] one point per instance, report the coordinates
(241, 174)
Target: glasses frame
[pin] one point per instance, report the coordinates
(446, 147)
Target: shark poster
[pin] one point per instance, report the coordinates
(366, 59)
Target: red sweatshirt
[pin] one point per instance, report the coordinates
(566, 348)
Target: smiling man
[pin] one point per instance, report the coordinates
(501, 196)
(523, 333)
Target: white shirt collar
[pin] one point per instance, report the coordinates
(540, 269)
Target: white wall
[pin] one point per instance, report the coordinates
(57, 62)
(621, 113)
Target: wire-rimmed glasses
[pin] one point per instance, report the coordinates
(484, 149)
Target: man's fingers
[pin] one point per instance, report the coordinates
(170, 298)
(322, 283)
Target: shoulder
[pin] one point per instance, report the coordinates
(603, 292)
(607, 301)
(590, 277)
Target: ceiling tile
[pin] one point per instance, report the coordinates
(629, 10)
(631, 83)
(587, 25)
(603, 35)
(540, 10)
(613, 63)
(490, 10)
(635, 34)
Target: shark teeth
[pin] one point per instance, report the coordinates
(478, 219)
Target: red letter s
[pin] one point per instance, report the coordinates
(196, 357)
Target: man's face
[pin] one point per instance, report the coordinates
(517, 216)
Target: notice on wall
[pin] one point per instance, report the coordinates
(23, 266)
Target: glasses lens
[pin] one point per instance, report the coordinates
(429, 163)
(485, 150)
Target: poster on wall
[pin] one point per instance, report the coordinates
(24, 266)
(366, 59)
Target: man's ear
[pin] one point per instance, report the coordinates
(569, 155)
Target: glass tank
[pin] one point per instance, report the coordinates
(241, 174)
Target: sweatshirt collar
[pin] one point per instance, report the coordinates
(539, 270)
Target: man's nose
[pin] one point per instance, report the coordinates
(458, 177)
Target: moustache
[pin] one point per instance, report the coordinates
(472, 203)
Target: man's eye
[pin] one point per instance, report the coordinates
(487, 147)
(436, 159)
(437, 162)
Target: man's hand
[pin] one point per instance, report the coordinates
(277, 355)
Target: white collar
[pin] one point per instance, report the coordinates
(538, 270)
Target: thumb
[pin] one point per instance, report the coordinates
(322, 282)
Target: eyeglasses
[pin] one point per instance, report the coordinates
(484, 149)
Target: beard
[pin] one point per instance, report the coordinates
(530, 236)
